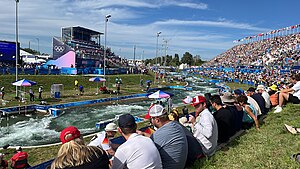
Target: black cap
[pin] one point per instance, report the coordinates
(126, 121)
(251, 89)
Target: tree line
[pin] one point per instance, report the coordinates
(169, 60)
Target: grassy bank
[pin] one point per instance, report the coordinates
(270, 147)
(131, 85)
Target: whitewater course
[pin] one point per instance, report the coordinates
(37, 129)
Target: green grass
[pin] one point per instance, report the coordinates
(270, 147)
(131, 84)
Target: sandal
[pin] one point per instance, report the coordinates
(292, 129)
(296, 157)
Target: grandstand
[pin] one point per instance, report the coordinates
(80, 47)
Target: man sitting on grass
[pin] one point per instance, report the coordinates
(290, 94)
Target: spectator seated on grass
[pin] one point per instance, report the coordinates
(262, 91)
(169, 138)
(224, 118)
(290, 94)
(73, 153)
(205, 126)
(20, 159)
(102, 139)
(194, 147)
(138, 151)
(103, 90)
(230, 103)
(3, 163)
(258, 98)
(250, 114)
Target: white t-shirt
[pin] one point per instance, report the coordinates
(206, 132)
(296, 88)
(100, 140)
(138, 152)
(266, 97)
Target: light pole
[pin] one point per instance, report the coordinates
(157, 35)
(105, 32)
(38, 40)
(17, 40)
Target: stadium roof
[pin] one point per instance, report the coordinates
(90, 31)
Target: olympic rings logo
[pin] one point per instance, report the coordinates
(59, 48)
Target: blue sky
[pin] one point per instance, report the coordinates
(206, 28)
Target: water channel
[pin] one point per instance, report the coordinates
(38, 130)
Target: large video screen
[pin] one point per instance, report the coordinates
(8, 52)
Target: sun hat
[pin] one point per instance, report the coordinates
(157, 110)
(72, 133)
(228, 98)
(273, 87)
(111, 127)
(260, 87)
(126, 121)
(197, 100)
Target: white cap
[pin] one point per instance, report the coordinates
(111, 127)
(157, 110)
(19, 148)
(1, 155)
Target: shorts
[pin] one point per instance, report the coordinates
(293, 99)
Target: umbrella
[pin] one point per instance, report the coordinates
(147, 81)
(97, 79)
(24, 83)
(159, 94)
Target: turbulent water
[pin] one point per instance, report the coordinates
(38, 130)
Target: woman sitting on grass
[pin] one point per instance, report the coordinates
(250, 114)
(75, 154)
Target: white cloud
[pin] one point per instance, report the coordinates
(225, 24)
(44, 19)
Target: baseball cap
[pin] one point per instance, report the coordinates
(126, 121)
(238, 92)
(111, 127)
(197, 100)
(19, 148)
(1, 155)
(72, 131)
(157, 110)
(251, 89)
(260, 87)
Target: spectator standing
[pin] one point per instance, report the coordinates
(205, 126)
(74, 154)
(76, 83)
(102, 139)
(40, 92)
(138, 151)
(2, 92)
(19, 160)
(169, 138)
(3, 163)
(31, 94)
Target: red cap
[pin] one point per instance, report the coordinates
(73, 131)
(197, 100)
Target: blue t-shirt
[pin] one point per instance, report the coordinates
(171, 142)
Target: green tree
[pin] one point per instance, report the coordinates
(187, 58)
